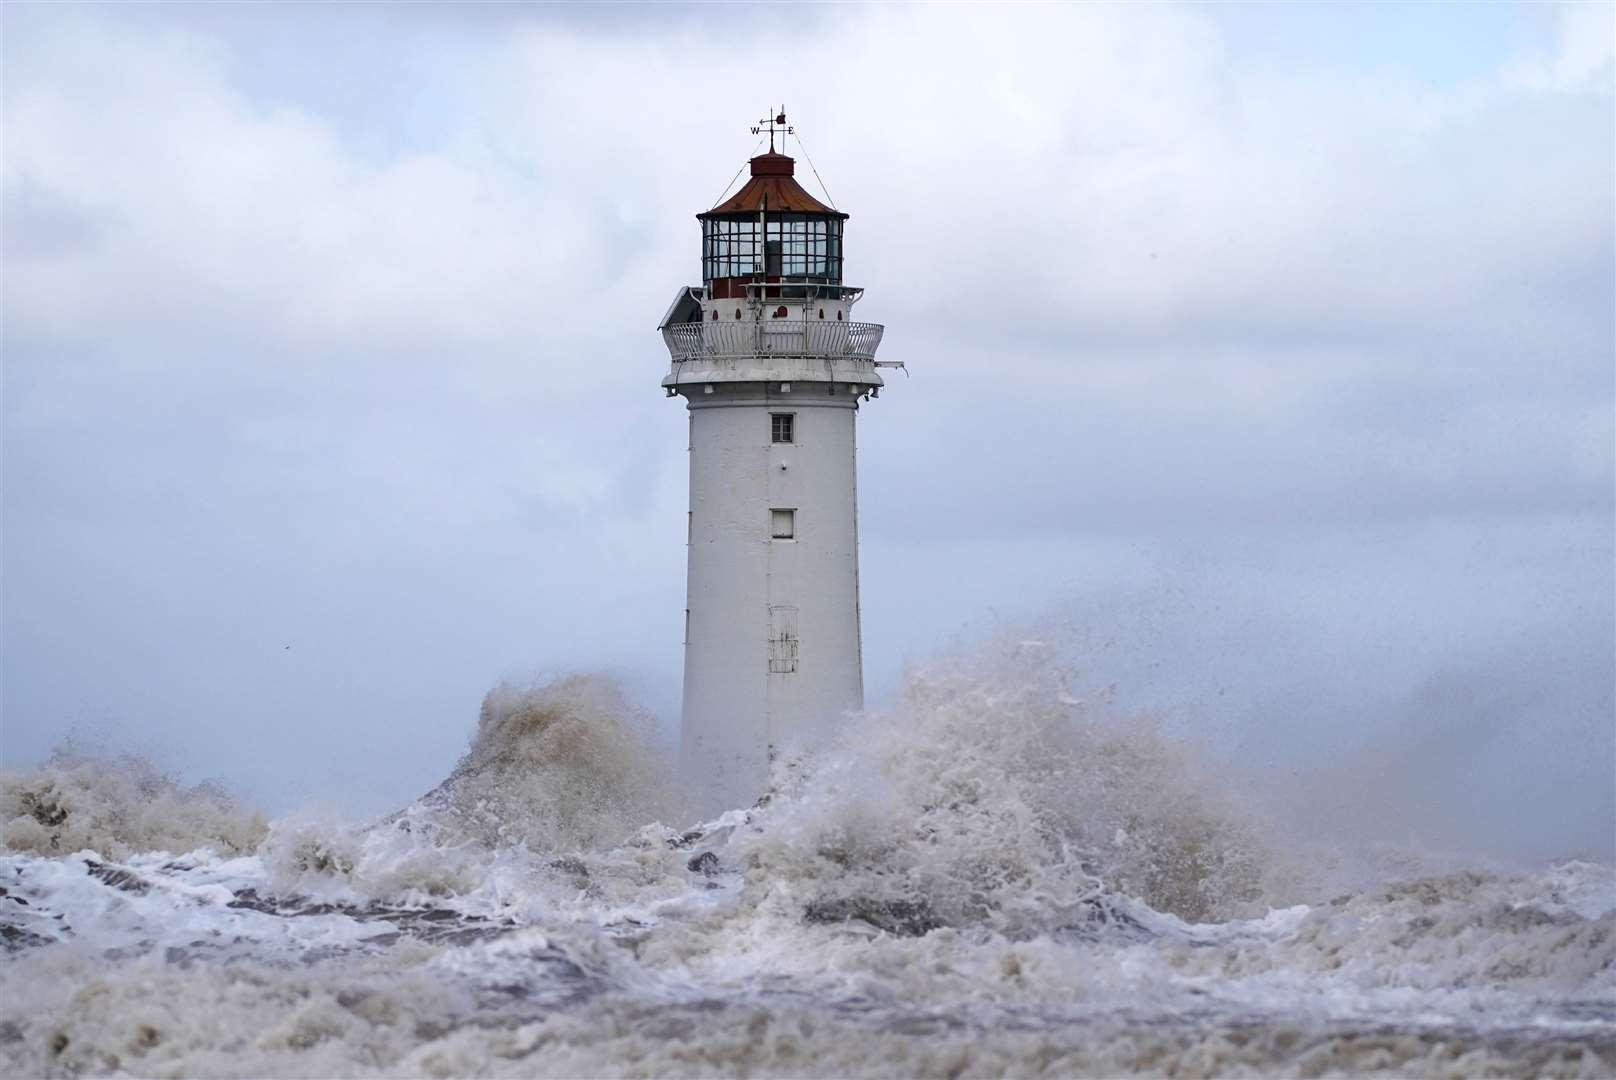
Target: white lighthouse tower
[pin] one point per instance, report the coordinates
(772, 369)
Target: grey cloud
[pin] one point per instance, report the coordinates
(40, 224)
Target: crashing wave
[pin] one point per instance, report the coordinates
(556, 767)
(1004, 802)
(117, 806)
(555, 771)
(987, 878)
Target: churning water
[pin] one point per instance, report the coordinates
(991, 878)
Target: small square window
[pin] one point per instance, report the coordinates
(783, 524)
(781, 427)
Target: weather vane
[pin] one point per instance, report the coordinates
(777, 120)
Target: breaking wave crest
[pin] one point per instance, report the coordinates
(556, 767)
(118, 805)
(1000, 798)
(555, 771)
(988, 796)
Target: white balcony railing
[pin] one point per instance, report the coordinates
(785, 337)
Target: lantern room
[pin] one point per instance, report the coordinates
(771, 239)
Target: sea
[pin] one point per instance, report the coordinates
(991, 876)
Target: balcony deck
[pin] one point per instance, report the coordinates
(783, 339)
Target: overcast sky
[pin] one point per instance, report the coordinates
(1264, 353)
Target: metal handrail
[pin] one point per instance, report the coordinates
(785, 337)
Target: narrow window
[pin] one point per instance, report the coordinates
(781, 426)
(783, 524)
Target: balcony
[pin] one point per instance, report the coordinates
(784, 338)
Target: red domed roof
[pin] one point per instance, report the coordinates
(772, 182)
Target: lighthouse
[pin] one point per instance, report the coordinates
(772, 368)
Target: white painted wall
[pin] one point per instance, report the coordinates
(736, 712)
(764, 310)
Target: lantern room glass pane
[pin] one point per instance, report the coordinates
(786, 245)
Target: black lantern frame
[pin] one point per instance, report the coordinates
(795, 246)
